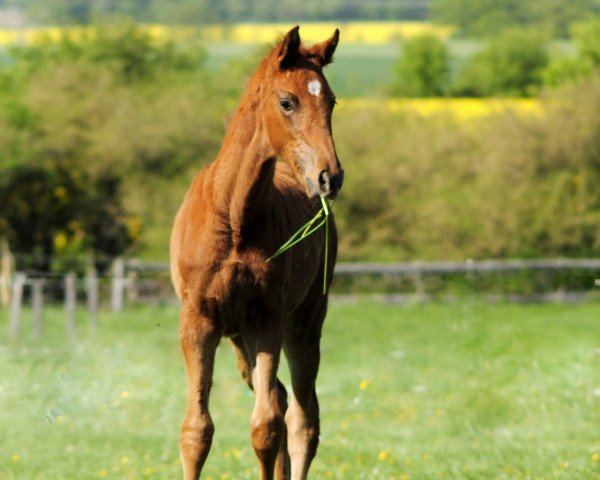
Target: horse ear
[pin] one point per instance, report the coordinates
(324, 51)
(290, 48)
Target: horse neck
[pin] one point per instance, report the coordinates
(244, 168)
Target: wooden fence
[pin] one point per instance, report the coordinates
(468, 266)
(122, 287)
(132, 280)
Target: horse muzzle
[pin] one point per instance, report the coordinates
(327, 185)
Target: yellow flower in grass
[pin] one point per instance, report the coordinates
(564, 466)
(383, 455)
(595, 457)
(364, 384)
(16, 458)
(103, 473)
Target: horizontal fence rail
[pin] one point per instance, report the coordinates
(129, 281)
(434, 267)
(467, 266)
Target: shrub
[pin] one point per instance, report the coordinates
(114, 110)
(510, 64)
(422, 69)
(506, 186)
(586, 37)
(52, 209)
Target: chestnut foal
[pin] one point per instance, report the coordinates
(237, 212)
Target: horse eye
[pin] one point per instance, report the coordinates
(286, 105)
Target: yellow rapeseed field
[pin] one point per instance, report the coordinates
(460, 108)
(372, 33)
(12, 36)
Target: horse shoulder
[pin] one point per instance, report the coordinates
(196, 239)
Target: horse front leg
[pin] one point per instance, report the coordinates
(302, 418)
(246, 365)
(267, 420)
(199, 340)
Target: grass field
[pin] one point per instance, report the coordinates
(463, 391)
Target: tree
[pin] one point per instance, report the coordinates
(569, 68)
(489, 17)
(199, 12)
(587, 40)
(86, 126)
(422, 69)
(50, 209)
(510, 64)
(125, 49)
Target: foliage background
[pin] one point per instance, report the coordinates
(104, 126)
(102, 129)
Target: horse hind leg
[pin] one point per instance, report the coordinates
(246, 364)
(302, 420)
(282, 464)
(199, 342)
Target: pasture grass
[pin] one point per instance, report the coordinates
(455, 391)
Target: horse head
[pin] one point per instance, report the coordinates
(297, 109)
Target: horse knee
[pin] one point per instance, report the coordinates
(268, 431)
(303, 430)
(196, 437)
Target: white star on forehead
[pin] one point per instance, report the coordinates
(314, 87)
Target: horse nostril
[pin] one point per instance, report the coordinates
(323, 179)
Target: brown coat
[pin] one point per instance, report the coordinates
(236, 214)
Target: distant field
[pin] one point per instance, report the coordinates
(358, 69)
(364, 63)
(459, 108)
(463, 391)
(256, 33)
(372, 33)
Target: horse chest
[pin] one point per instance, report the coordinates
(241, 296)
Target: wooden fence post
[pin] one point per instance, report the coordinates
(15, 310)
(118, 285)
(132, 293)
(70, 302)
(37, 300)
(92, 295)
(6, 268)
(419, 285)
